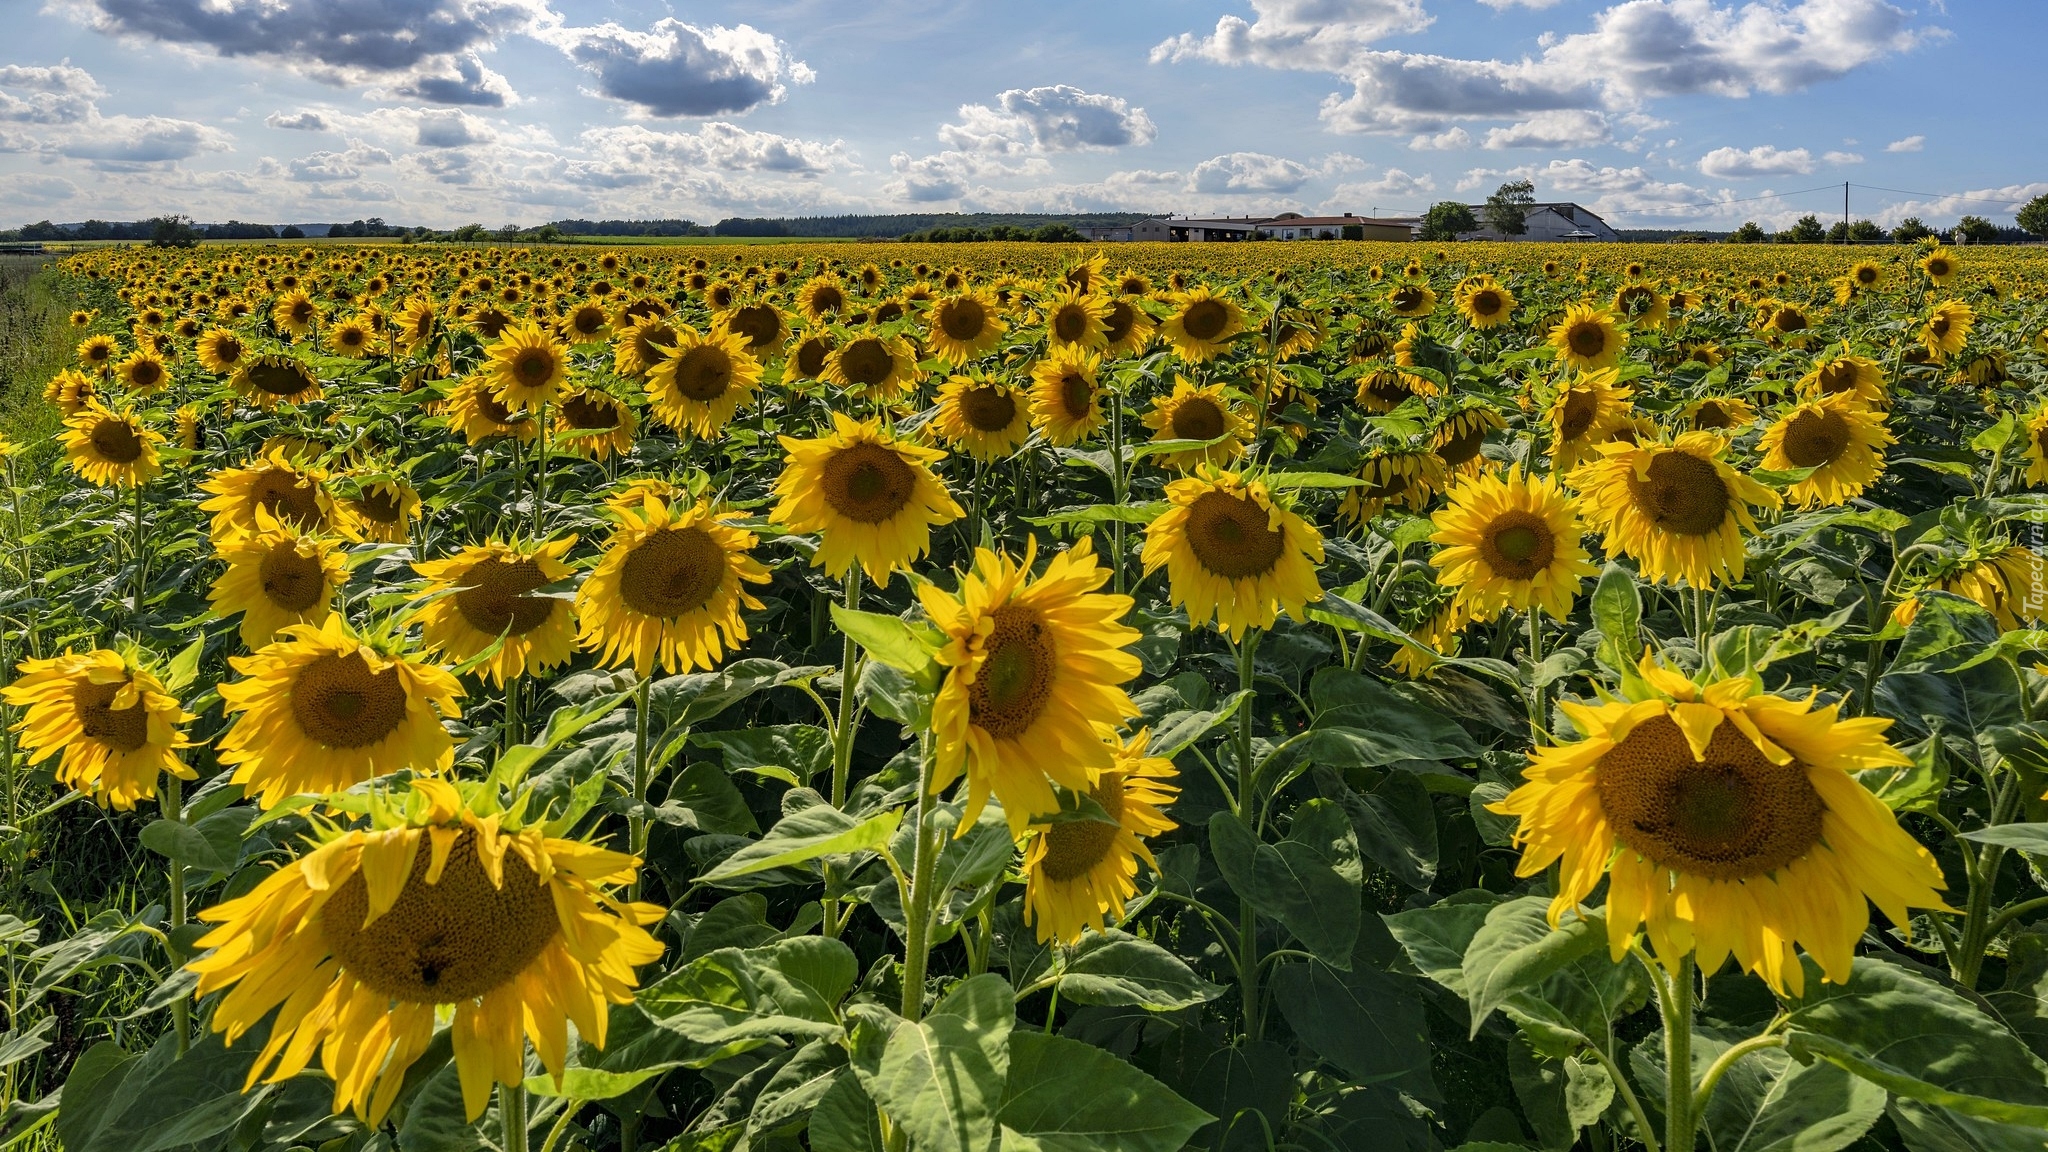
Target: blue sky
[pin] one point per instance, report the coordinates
(1667, 113)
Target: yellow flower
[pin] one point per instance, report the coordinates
(97, 352)
(111, 721)
(1074, 318)
(1726, 821)
(822, 297)
(1066, 400)
(1080, 872)
(1385, 389)
(1192, 413)
(220, 351)
(478, 414)
(1642, 304)
(872, 366)
(268, 381)
(1587, 339)
(365, 938)
(700, 385)
(1127, 328)
(487, 591)
(982, 416)
(1485, 303)
(320, 712)
(526, 367)
(294, 493)
(1460, 437)
(350, 338)
(670, 588)
(1407, 477)
(413, 327)
(1588, 410)
(1411, 301)
(594, 424)
(278, 575)
(1232, 553)
(637, 345)
(384, 509)
(1510, 542)
(1034, 675)
(295, 314)
(1947, 328)
(1718, 413)
(1840, 439)
(2037, 445)
(587, 323)
(1940, 266)
(1202, 324)
(872, 499)
(1677, 508)
(71, 392)
(763, 326)
(142, 373)
(964, 327)
(113, 448)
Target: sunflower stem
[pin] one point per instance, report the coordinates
(917, 908)
(842, 739)
(540, 470)
(637, 822)
(139, 556)
(172, 800)
(1675, 1000)
(512, 1111)
(1538, 693)
(1248, 811)
(1118, 483)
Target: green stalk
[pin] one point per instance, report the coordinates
(512, 1111)
(842, 739)
(540, 468)
(917, 912)
(1248, 811)
(637, 823)
(171, 799)
(141, 573)
(1681, 1119)
(1538, 695)
(1117, 485)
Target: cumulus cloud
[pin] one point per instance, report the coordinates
(1762, 160)
(1308, 35)
(460, 80)
(631, 150)
(679, 69)
(1614, 192)
(1241, 173)
(1393, 189)
(302, 121)
(1563, 128)
(1840, 158)
(1055, 118)
(53, 94)
(57, 78)
(451, 129)
(1450, 140)
(1909, 144)
(949, 174)
(1414, 92)
(61, 97)
(1994, 202)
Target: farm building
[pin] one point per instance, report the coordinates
(1550, 222)
(1286, 226)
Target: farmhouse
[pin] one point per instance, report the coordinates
(1549, 222)
(1286, 226)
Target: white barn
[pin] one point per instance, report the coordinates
(1550, 222)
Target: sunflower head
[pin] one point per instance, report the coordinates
(1203, 414)
(1202, 324)
(1510, 542)
(110, 719)
(1079, 872)
(274, 379)
(964, 327)
(1678, 508)
(489, 595)
(112, 447)
(703, 381)
(983, 416)
(526, 367)
(1066, 396)
(873, 499)
(1233, 552)
(1587, 339)
(871, 365)
(670, 588)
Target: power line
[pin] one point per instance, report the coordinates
(1934, 195)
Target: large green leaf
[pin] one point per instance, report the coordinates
(804, 750)
(1618, 612)
(805, 835)
(729, 1000)
(889, 639)
(797, 1087)
(941, 1079)
(1065, 1096)
(1365, 1022)
(159, 1099)
(1309, 881)
(1395, 823)
(681, 701)
(845, 1119)
(1913, 1037)
(1516, 949)
(1769, 1102)
(1363, 723)
(1116, 969)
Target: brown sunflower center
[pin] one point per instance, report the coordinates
(445, 942)
(866, 362)
(116, 441)
(1711, 414)
(1937, 268)
(1017, 673)
(826, 298)
(1077, 396)
(146, 374)
(1389, 388)
(1587, 338)
(340, 703)
(1073, 848)
(868, 483)
(587, 320)
(761, 324)
(292, 498)
(1407, 298)
(1866, 275)
(99, 352)
(1636, 300)
(380, 505)
(1205, 319)
(580, 411)
(1197, 418)
(1837, 376)
(673, 572)
(963, 319)
(122, 729)
(227, 349)
(496, 600)
(1485, 302)
(1230, 537)
(292, 581)
(352, 337)
(1122, 318)
(1788, 320)
(703, 373)
(1518, 545)
(1681, 493)
(1463, 444)
(810, 356)
(1939, 324)
(1581, 405)
(285, 379)
(1816, 438)
(1070, 323)
(988, 408)
(1728, 816)
(534, 367)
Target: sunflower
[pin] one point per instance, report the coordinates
(268, 381)
(587, 323)
(1677, 508)
(1439, 634)
(321, 711)
(295, 314)
(637, 346)
(1385, 389)
(2010, 582)
(189, 417)
(1192, 413)
(1075, 318)
(982, 416)
(1460, 437)
(807, 356)
(384, 510)
(594, 424)
(112, 447)
(1940, 266)
(1947, 329)
(1066, 400)
(1233, 553)
(350, 338)
(142, 373)
(1411, 301)
(1510, 542)
(1127, 327)
(871, 498)
(964, 327)
(364, 940)
(1840, 439)
(292, 492)
(487, 591)
(1718, 413)
(1034, 675)
(1485, 303)
(97, 352)
(1079, 872)
(2037, 445)
(479, 415)
(872, 366)
(1585, 413)
(1858, 377)
(71, 392)
(821, 298)
(670, 588)
(1202, 324)
(1587, 339)
(1867, 275)
(110, 719)
(762, 324)
(277, 576)
(220, 351)
(413, 327)
(1407, 477)
(1726, 821)
(1784, 323)
(526, 367)
(704, 381)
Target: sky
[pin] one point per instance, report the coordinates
(1654, 113)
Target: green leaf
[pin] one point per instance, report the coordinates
(1096, 515)
(1282, 481)
(1364, 723)
(596, 1083)
(729, 1000)
(1117, 969)
(21, 1043)
(1618, 613)
(2022, 837)
(708, 800)
(845, 1120)
(160, 1099)
(888, 639)
(1948, 634)
(188, 845)
(1769, 1102)
(1309, 882)
(805, 835)
(1065, 1096)
(1517, 948)
(563, 725)
(1176, 730)
(1996, 437)
(1365, 1022)
(797, 1088)
(683, 701)
(804, 749)
(1437, 937)
(1911, 1036)
(941, 1079)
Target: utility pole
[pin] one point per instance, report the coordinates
(1845, 211)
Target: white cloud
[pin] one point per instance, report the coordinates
(1841, 158)
(1447, 141)
(56, 78)
(451, 129)
(679, 69)
(325, 167)
(1307, 35)
(1909, 144)
(1057, 118)
(1242, 173)
(630, 149)
(1412, 92)
(305, 120)
(1563, 128)
(1762, 160)
(1394, 190)
(56, 94)
(1989, 202)
(948, 175)
(1504, 5)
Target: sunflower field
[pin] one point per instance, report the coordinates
(1322, 697)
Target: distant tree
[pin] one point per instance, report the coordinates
(291, 232)
(1507, 210)
(2034, 217)
(43, 230)
(1975, 230)
(1749, 233)
(1445, 220)
(1806, 231)
(1838, 232)
(469, 233)
(172, 232)
(1865, 232)
(1056, 234)
(1910, 230)
(1007, 232)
